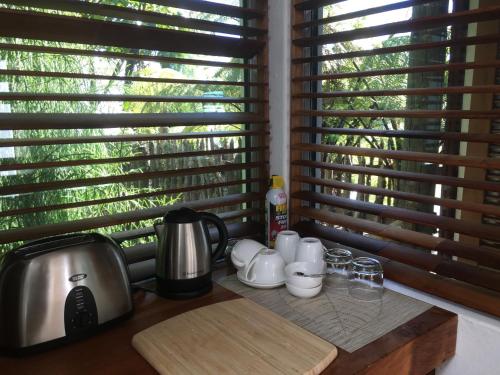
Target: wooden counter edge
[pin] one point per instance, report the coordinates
(416, 347)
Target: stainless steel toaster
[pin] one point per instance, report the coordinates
(61, 288)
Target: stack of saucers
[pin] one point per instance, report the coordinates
(305, 279)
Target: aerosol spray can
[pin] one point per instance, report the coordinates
(276, 210)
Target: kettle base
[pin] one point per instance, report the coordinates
(184, 289)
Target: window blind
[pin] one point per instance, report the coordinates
(113, 112)
(395, 139)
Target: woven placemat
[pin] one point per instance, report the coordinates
(334, 315)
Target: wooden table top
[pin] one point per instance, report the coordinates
(416, 347)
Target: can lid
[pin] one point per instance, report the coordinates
(277, 182)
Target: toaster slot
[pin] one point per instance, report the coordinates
(49, 244)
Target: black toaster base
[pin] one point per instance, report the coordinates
(38, 348)
(184, 289)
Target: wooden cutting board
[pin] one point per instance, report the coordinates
(232, 337)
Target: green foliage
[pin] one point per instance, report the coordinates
(381, 81)
(375, 82)
(58, 204)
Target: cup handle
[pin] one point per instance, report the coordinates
(250, 266)
(237, 263)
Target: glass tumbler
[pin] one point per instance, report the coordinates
(366, 279)
(338, 264)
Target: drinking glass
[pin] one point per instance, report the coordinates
(366, 279)
(338, 264)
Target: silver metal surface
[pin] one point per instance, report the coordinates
(183, 250)
(302, 274)
(37, 288)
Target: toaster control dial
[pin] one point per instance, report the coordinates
(80, 311)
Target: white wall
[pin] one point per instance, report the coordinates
(478, 342)
(279, 87)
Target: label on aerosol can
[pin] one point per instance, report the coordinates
(276, 210)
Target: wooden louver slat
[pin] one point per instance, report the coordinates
(126, 159)
(95, 117)
(420, 134)
(121, 12)
(468, 295)
(394, 139)
(122, 138)
(411, 176)
(458, 42)
(362, 13)
(486, 89)
(414, 257)
(124, 55)
(18, 121)
(382, 212)
(424, 157)
(7, 96)
(212, 7)
(156, 193)
(417, 113)
(67, 184)
(46, 74)
(312, 4)
(475, 15)
(33, 25)
(30, 233)
(394, 71)
(443, 202)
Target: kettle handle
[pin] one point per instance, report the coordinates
(223, 235)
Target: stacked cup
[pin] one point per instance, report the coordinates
(307, 262)
(243, 252)
(286, 244)
(304, 276)
(258, 266)
(305, 279)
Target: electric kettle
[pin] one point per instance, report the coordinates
(184, 254)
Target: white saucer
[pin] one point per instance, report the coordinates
(259, 285)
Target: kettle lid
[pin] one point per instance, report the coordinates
(182, 216)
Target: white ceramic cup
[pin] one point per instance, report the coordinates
(243, 252)
(307, 268)
(286, 244)
(266, 267)
(303, 293)
(309, 249)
